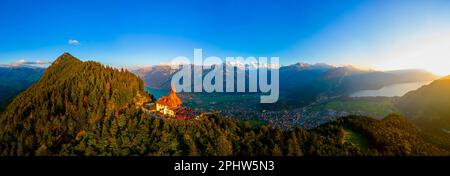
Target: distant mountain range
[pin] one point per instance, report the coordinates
(14, 79)
(307, 83)
(301, 83)
(157, 77)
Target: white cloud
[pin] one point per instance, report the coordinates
(39, 62)
(20, 62)
(24, 62)
(73, 42)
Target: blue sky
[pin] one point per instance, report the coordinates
(381, 34)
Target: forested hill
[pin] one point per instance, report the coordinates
(429, 108)
(71, 97)
(392, 136)
(431, 101)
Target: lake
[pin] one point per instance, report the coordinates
(157, 93)
(391, 90)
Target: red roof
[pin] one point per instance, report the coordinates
(171, 100)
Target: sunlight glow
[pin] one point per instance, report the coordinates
(430, 52)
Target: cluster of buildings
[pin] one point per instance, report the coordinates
(171, 107)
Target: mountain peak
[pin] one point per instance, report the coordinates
(66, 54)
(307, 66)
(302, 65)
(65, 57)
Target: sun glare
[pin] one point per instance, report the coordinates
(429, 52)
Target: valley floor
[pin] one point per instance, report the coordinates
(244, 107)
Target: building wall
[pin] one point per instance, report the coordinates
(169, 112)
(164, 109)
(159, 107)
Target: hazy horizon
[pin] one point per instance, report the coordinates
(42, 64)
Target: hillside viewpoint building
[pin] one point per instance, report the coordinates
(168, 105)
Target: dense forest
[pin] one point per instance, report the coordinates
(85, 108)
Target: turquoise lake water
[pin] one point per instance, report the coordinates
(157, 93)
